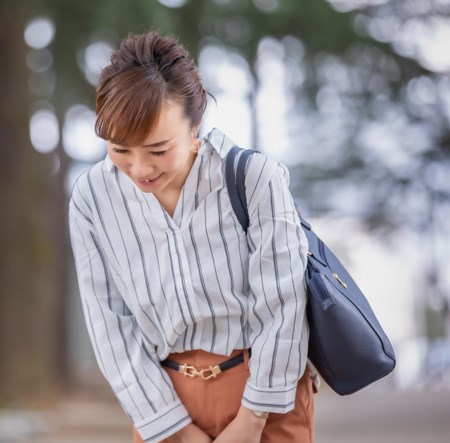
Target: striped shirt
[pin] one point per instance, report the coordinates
(152, 284)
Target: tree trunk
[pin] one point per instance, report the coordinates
(28, 251)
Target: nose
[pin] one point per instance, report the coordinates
(141, 169)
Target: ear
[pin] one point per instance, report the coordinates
(195, 129)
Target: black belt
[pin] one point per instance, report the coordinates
(207, 373)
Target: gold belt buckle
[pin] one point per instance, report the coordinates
(205, 374)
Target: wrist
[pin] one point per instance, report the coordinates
(262, 415)
(256, 418)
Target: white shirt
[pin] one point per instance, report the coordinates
(152, 284)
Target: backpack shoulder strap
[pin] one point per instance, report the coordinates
(235, 180)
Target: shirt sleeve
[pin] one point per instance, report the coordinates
(277, 317)
(126, 358)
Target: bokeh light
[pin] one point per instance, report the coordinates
(231, 112)
(93, 59)
(79, 139)
(39, 60)
(42, 84)
(173, 3)
(267, 5)
(39, 32)
(44, 131)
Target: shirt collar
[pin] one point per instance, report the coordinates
(219, 141)
(108, 164)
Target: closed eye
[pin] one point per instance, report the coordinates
(119, 151)
(124, 151)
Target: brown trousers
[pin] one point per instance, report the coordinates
(212, 404)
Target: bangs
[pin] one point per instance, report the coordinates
(129, 106)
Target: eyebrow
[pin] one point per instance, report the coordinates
(157, 144)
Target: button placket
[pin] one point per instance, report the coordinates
(184, 280)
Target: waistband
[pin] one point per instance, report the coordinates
(212, 371)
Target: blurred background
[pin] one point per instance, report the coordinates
(352, 95)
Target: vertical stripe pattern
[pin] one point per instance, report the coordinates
(152, 284)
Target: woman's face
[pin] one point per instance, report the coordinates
(163, 161)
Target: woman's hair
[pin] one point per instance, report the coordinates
(146, 71)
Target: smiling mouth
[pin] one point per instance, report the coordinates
(150, 180)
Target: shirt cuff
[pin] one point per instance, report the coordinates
(163, 424)
(279, 399)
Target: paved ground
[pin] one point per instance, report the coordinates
(401, 417)
(368, 417)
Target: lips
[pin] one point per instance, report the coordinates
(148, 180)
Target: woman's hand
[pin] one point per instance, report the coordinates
(245, 428)
(189, 434)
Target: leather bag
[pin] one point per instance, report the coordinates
(347, 344)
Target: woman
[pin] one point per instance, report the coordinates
(200, 331)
